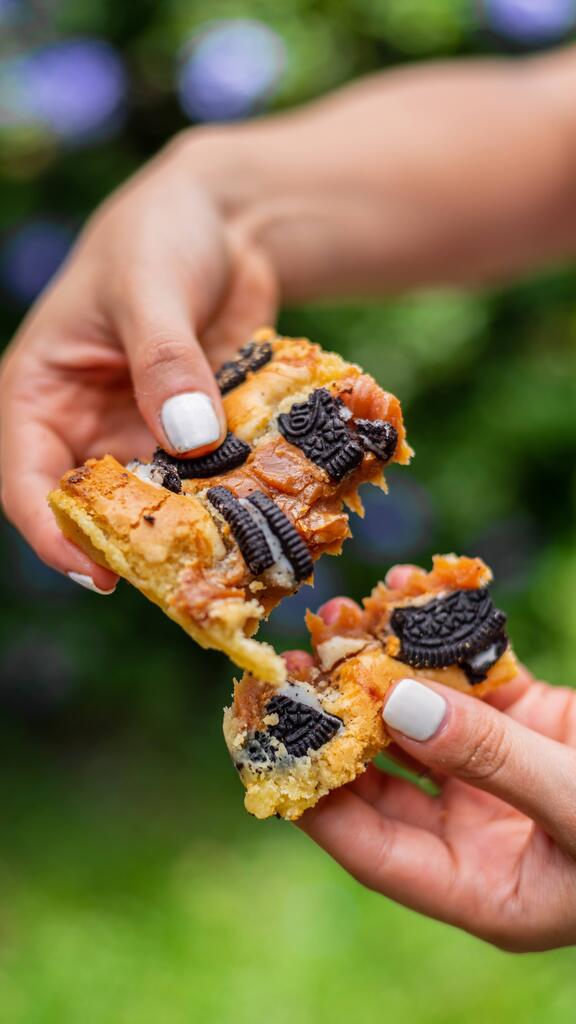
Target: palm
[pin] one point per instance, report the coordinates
(465, 856)
(84, 379)
(90, 401)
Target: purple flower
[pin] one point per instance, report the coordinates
(30, 257)
(530, 21)
(233, 67)
(76, 88)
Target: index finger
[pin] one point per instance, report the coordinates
(404, 862)
(33, 457)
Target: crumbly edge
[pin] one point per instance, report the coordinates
(254, 656)
(288, 793)
(224, 634)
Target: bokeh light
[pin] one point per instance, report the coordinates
(530, 21)
(9, 11)
(31, 255)
(75, 90)
(233, 68)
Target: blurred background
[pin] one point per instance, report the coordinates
(133, 887)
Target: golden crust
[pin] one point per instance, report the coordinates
(151, 537)
(180, 553)
(353, 690)
(355, 695)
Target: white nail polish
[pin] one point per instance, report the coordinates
(415, 710)
(88, 583)
(190, 421)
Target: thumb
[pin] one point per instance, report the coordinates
(457, 735)
(174, 386)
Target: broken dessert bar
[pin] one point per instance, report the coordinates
(293, 744)
(219, 540)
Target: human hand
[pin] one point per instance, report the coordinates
(495, 852)
(159, 289)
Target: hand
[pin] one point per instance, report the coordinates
(495, 852)
(159, 289)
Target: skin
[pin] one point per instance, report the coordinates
(457, 173)
(495, 852)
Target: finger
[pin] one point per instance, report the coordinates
(467, 739)
(404, 760)
(174, 386)
(27, 477)
(397, 577)
(407, 864)
(251, 302)
(298, 662)
(399, 799)
(549, 710)
(505, 697)
(331, 611)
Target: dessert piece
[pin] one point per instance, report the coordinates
(293, 744)
(219, 540)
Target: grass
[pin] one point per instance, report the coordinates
(136, 891)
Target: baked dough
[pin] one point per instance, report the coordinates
(179, 549)
(321, 729)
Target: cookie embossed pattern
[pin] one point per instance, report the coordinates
(329, 725)
(220, 540)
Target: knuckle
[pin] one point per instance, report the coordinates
(159, 354)
(485, 753)
(382, 853)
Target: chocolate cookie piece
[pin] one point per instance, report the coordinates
(447, 630)
(158, 472)
(249, 359)
(248, 536)
(300, 728)
(479, 665)
(316, 426)
(291, 542)
(377, 436)
(231, 453)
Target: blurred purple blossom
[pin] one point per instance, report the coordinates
(31, 255)
(9, 11)
(232, 68)
(530, 21)
(76, 88)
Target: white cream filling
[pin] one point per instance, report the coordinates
(337, 648)
(483, 659)
(146, 471)
(280, 573)
(302, 693)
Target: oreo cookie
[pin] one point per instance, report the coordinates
(447, 630)
(300, 728)
(169, 478)
(250, 358)
(317, 428)
(249, 537)
(479, 665)
(291, 542)
(157, 472)
(232, 453)
(377, 436)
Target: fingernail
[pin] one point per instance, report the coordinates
(415, 710)
(190, 421)
(88, 583)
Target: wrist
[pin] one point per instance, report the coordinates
(237, 165)
(254, 177)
